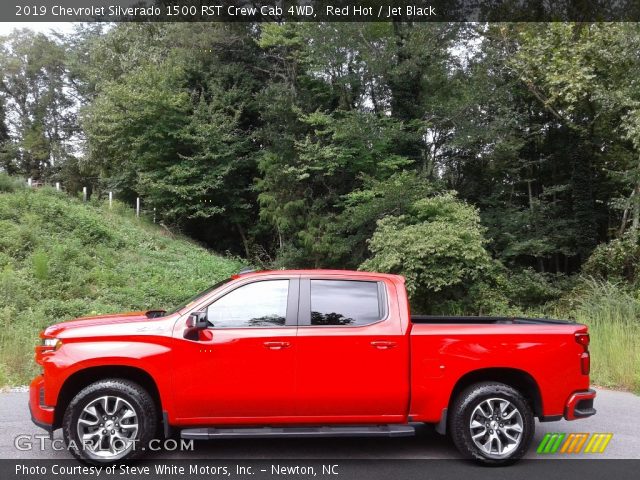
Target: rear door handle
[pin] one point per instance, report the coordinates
(276, 345)
(383, 344)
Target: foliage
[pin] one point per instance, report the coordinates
(61, 259)
(616, 261)
(34, 96)
(438, 247)
(173, 129)
(334, 157)
(254, 138)
(583, 76)
(530, 289)
(10, 184)
(375, 200)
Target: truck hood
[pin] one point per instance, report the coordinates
(102, 321)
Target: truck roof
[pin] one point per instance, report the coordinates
(350, 273)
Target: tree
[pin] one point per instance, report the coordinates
(362, 208)
(177, 129)
(583, 75)
(36, 103)
(7, 153)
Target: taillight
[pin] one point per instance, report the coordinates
(583, 339)
(585, 358)
(585, 363)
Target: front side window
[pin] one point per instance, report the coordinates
(258, 304)
(345, 302)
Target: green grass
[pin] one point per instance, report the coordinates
(61, 258)
(613, 316)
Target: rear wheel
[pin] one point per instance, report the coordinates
(109, 420)
(492, 423)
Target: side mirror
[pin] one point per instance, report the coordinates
(197, 321)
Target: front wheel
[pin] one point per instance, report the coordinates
(110, 420)
(492, 423)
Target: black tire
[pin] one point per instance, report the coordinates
(132, 398)
(483, 396)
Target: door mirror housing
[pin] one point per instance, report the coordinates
(197, 321)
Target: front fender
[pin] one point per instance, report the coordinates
(152, 358)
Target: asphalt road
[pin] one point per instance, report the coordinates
(618, 413)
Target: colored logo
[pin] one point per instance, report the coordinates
(574, 443)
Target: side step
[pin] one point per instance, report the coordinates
(300, 432)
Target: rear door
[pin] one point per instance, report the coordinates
(352, 358)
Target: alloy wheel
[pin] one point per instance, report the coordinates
(496, 427)
(108, 427)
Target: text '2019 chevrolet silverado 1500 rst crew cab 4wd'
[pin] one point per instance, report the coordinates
(307, 353)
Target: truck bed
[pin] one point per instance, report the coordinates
(443, 347)
(438, 319)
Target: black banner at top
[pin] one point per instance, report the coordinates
(319, 10)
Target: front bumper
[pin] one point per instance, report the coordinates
(580, 405)
(42, 415)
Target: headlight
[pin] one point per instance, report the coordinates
(54, 343)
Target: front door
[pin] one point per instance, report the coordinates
(242, 367)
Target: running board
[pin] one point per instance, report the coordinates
(300, 432)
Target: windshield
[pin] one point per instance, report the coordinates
(197, 296)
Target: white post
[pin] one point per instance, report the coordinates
(84, 194)
(58, 186)
(110, 199)
(137, 206)
(154, 214)
(29, 182)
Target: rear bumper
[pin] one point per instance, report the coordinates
(580, 405)
(42, 415)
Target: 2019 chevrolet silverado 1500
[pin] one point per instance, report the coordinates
(307, 353)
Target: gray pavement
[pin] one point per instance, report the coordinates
(618, 413)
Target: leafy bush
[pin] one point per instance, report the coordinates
(439, 247)
(40, 265)
(528, 288)
(9, 183)
(615, 261)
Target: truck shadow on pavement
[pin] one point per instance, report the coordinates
(426, 444)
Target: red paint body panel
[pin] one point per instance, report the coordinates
(442, 354)
(385, 372)
(231, 369)
(341, 371)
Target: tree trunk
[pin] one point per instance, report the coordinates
(635, 218)
(245, 242)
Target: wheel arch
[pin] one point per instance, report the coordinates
(82, 378)
(516, 378)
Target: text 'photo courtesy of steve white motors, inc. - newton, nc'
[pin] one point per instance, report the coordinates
(166, 469)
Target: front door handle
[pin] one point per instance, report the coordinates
(383, 344)
(276, 345)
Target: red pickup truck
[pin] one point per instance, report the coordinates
(307, 353)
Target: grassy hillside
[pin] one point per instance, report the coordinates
(61, 258)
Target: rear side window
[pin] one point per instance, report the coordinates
(346, 302)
